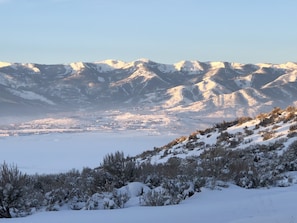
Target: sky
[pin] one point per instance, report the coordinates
(165, 31)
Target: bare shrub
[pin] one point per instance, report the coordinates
(276, 112)
(293, 128)
(262, 116)
(266, 121)
(248, 132)
(268, 135)
(290, 116)
(242, 120)
(12, 184)
(292, 134)
(289, 157)
(120, 167)
(155, 198)
(291, 109)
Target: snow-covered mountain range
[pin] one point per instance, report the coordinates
(187, 89)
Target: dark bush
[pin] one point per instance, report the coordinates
(12, 189)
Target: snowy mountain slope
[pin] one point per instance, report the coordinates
(147, 84)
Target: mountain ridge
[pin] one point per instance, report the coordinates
(205, 88)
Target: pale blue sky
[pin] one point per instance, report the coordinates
(167, 31)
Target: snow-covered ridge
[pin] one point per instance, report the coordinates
(110, 65)
(207, 88)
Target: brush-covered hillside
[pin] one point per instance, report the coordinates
(248, 152)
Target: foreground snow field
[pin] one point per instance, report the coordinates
(232, 205)
(55, 153)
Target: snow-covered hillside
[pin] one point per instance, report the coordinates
(250, 152)
(277, 128)
(198, 172)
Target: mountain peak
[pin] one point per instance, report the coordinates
(77, 66)
(217, 64)
(110, 64)
(143, 60)
(4, 64)
(189, 66)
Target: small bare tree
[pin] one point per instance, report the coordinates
(12, 183)
(120, 167)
